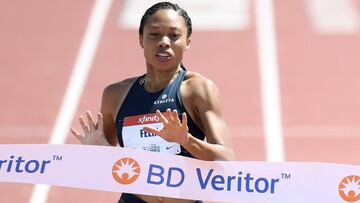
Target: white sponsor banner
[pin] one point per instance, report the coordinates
(160, 174)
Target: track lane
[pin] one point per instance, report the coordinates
(319, 81)
(38, 48)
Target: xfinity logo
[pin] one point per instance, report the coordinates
(149, 119)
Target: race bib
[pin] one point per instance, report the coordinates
(135, 137)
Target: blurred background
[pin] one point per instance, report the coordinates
(288, 73)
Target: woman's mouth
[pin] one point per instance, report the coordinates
(163, 56)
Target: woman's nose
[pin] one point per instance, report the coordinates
(164, 42)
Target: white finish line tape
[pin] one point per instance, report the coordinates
(142, 172)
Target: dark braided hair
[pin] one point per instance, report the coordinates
(165, 5)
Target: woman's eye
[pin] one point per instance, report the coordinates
(154, 34)
(175, 36)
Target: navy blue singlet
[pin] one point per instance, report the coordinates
(139, 102)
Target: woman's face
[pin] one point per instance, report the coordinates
(164, 40)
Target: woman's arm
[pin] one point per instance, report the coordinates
(205, 101)
(103, 132)
(107, 109)
(100, 132)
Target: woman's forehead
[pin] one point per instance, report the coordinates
(166, 17)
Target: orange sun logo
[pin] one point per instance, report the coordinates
(349, 188)
(126, 170)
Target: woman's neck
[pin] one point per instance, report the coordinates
(156, 80)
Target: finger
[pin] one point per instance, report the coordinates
(162, 117)
(176, 117)
(152, 130)
(169, 116)
(90, 120)
(167, 113)
(184, 120)
(100, 121)
(76, 134)
(83, 125)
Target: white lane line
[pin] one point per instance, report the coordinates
(76, 84)
(267, 51)
(334, 16)
(205, 14)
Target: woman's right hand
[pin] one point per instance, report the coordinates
(93, 132)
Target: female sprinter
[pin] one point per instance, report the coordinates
(186, 103)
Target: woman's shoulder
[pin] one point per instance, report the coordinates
(198, 89)
(115, 93)
(119, 88)
(197, 81)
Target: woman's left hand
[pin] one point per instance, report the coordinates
(174, 130)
